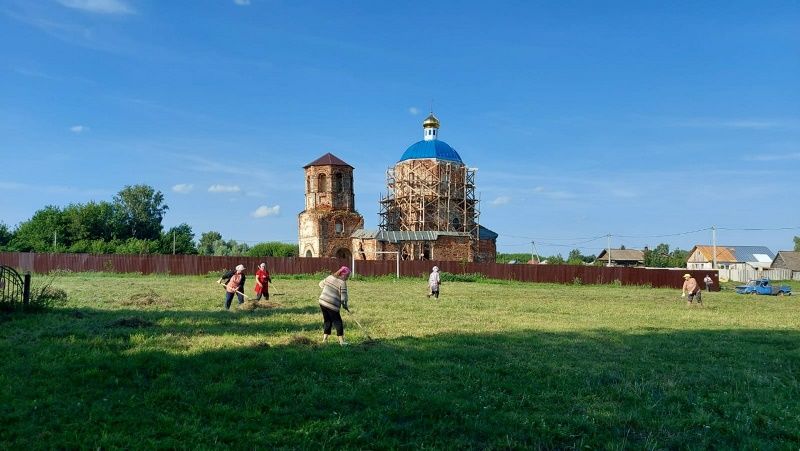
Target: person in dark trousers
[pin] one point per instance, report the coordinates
(708, 281)
(332, 298)
(691, 290)
(262, 282)
(433, 283)
(234, 284)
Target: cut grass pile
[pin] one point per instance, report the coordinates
(489, 365)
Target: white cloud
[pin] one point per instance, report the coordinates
(183, 188)
(413, 110)
(99, 6)
(223, 189)
(501, 200)
(264, 211)
(242, 2)
(79, 129)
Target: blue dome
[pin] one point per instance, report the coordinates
(431, 149)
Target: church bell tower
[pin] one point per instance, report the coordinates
(330, 217)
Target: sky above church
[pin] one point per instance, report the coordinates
(648, 121)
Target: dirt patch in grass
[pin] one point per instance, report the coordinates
(132, 322)
(146, 299)
(267, 304)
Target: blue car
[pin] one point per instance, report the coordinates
(762, 286)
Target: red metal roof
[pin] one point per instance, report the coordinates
(328, 159)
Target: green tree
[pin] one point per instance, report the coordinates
(658, 257)
(505, 258)
(207, 242)
(797, 244)
(555, 260)
(5, 236)
(91, 221)
(273, 249)
(230, 248)
(140, 210)
(37, 233)
(183, 237)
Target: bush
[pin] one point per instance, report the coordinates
(45, 295)
(273, 249)
(466, 277)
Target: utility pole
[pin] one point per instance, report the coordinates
(532, 248)
(537, 252)
(55, 241)
(173, 242)
(609, 249)
(714, 246)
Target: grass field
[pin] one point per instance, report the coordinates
(153, 361)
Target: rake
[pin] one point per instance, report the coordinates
(363, 329)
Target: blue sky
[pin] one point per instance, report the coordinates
(635, 119)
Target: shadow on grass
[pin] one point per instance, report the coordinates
(524, 389)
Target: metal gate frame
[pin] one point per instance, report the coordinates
(14, 289)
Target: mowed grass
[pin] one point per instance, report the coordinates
(153, 362)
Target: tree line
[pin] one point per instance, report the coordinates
(659, 257)
(129, 224)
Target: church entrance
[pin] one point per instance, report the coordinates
(343, 253)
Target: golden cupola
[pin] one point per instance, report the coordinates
(430, 122)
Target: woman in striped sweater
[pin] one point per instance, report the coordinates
(332, 298)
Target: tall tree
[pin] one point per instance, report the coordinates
(37, 234)
(797, 243)
(5, 236)
(91, 221)
(182, 237)
(207, 242)
(140, 209)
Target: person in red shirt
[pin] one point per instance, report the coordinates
(262, 282)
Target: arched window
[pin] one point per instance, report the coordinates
(456, 224)
(309, 254)
(322, 183)
(339, 226)
(339, 179)
(308, 184)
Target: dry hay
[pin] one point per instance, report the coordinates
(268, 304)
(132, 322)
(300, 340)
(247, 306)
(147, 299)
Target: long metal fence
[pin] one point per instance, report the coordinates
(203, 264)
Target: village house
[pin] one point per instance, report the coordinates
(622, 257)
(730, 257)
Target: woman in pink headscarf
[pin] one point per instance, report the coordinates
(332, 298)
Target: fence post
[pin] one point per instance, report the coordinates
(26, 289)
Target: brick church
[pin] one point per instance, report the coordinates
(429, 211)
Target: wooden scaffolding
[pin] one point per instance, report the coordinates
(430, 195)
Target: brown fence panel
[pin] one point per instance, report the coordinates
(204, 264)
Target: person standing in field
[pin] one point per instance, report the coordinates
(262, 282)
(708, 281)
(691, 290)
(433, 283)
(332, 298)
(234, 283)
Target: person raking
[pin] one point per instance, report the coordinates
(332, 298)
(691, 290)
(234, 284)
(262, 282)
